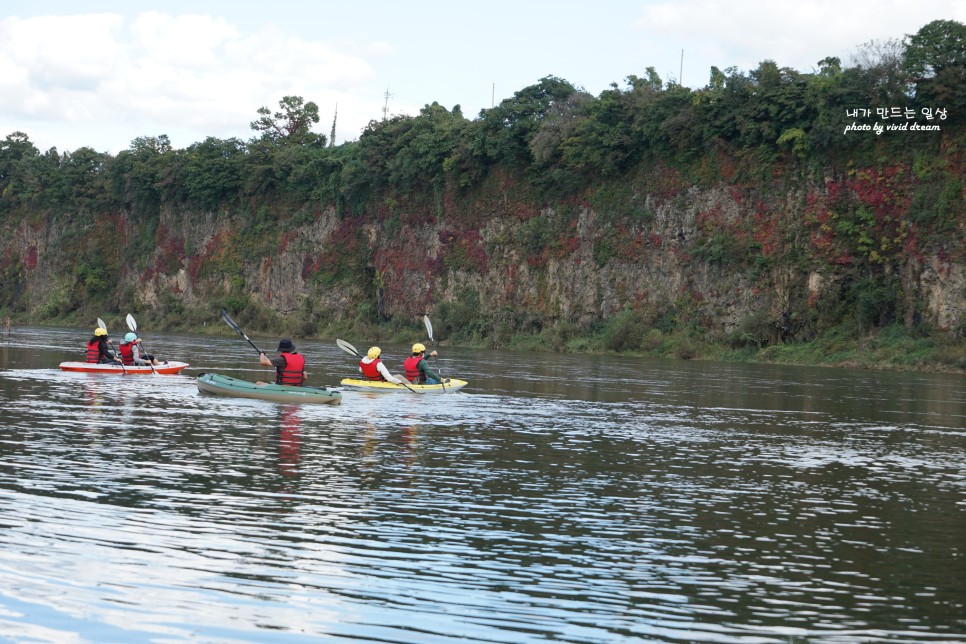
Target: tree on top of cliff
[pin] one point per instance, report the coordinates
(937, 46)
(508, 128)
(292, 124)
(935, 62)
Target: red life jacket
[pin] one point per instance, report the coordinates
(371, 369)
(94, 350)
(411, 365)
(293, 371)
(127, 352)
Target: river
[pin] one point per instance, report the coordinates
(568, 498)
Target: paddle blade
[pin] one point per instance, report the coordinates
(348, 348)
(233, 325)
(429, 327)
(101, 324)
(131, 324)
(230, 322)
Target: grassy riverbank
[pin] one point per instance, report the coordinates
(894, 347)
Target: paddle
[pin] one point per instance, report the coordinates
(348, 348)
(232, 324)
(429, 330)
(131, 324)
(101, 324)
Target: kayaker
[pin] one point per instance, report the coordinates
(289, 365)
(132, 354)
(97, 350)
(374, 369)
(126, 349)
(417, 367)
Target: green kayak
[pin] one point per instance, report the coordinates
(213, 383)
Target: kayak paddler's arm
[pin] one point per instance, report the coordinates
(384, 372)
(429, 373)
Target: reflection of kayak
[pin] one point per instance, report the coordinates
(93, 367)
(213, 383)
(358, 384)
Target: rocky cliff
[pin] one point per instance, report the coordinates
(715, 257)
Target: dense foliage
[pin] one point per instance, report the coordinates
(765, 130)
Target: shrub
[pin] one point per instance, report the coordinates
(558, 335)
(755, 330)
(625, 331)
(603, 251)
(461, 319)
(876, 301)
(653, 341)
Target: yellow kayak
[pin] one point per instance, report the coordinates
(360, 384)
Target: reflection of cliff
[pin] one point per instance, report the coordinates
(407, 443)
(92, 395)
(289, 440)
(383, 450)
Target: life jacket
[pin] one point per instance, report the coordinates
(127, 352)
(411, 366)
(371, 369)
(94, 350)
(293, 371)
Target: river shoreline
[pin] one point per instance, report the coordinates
(892, 348)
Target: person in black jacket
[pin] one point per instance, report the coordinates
(97, 348)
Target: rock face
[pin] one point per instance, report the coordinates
(724, 255)
(943, 285)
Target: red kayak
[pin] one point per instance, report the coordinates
(92, 367)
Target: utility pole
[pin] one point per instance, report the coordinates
(681, 72)
(385, 109)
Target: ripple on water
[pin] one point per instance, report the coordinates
(693, 505)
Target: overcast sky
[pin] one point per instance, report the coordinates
(101, 74)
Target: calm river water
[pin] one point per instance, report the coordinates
(558, 497)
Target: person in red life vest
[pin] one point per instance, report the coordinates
(97, 350)
(374, 369)
(131, 353)
(417, 367)
(289, 365)
(126, 349)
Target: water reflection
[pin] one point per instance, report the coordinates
(289, 440)
(585, 499)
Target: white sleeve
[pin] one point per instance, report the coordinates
(385, 373)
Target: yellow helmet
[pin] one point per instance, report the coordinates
(419, 348)
(100, 331)
(374, 352)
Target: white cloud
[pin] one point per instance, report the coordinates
(50, 65)
(742, 33)
(70, 53)
(187, 76)
(184, 41)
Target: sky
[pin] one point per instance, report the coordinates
(101, 74)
